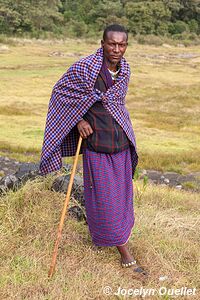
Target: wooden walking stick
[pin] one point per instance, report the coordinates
(60, 227)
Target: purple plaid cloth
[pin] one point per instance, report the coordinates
(71, 98)
(108, 193)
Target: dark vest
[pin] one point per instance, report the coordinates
(108, 136)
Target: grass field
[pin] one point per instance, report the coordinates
(163, 99)
(165, 241)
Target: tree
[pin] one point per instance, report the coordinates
(27, 15)
(146, 17)
(14, 16)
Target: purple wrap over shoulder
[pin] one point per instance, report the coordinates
(71, 98)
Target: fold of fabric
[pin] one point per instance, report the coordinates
(71, 98)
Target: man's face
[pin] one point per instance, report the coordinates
(114, 47)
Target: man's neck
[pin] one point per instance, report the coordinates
(110, 66)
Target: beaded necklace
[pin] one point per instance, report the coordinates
(114, 74)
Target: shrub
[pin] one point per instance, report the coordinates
(193, 26)
(178, 27)
(162, 29)
(149, 40)
(76, 28)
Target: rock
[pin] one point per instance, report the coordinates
(176, 180)
(166, 181)
(171, 175)
(187, 55)
(77, 212)
(154, 175)
(186, 178)
(78, 189)
(4, 48)
(178, 187)
(56, 53)
(26, 168)
(9, 182)
(27, 171)
(7, 166)
(60, 184)
(166, 46)
(62, 54)
(163, 278)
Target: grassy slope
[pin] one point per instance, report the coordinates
(165, 240)
(163, 99)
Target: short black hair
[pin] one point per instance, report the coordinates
(116, 28)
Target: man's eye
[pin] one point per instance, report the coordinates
(119, 45)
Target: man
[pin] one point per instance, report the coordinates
(89, 100)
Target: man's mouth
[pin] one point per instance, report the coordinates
(115, 57)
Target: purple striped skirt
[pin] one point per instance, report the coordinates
(108, 193)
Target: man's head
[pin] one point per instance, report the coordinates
(114, 44)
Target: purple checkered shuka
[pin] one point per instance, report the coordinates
(71, 98)
(108, 194)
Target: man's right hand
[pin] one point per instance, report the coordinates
(84, 129)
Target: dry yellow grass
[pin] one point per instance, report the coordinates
(165, 240)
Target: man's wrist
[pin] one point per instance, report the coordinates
(80, 120)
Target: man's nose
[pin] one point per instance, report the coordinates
(116, 49)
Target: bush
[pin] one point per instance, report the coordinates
(187, 39)
(76, 28)
(178, 27)
(149, 40)
(162, 29)
(185, 36)
(193, 26)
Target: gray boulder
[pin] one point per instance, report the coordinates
(77, 213)
(27, 171)
(9, 182)
(60, 184)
